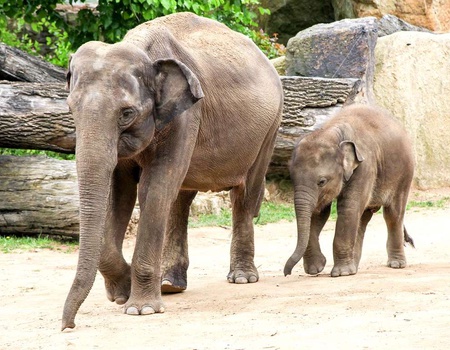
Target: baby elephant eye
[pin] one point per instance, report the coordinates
(127, 116)
(322, 182)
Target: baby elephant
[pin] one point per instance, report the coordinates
(363, 158)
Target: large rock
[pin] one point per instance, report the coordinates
(431, 14)
(390, 24)
(411, 80)
(343, 49)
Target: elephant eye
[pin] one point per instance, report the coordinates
(322, 182)
(127, 116)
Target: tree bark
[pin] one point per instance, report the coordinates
(308, 103)
(38, 195)
(16, 65)
(36, 116)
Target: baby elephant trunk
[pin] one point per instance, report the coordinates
(303, 212)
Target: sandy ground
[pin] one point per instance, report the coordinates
(378, 308)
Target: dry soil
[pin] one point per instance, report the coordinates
(378, 308)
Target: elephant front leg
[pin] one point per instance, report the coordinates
(114, 268)
(175, 260)
(345, 263)
(145, 295)
(313, 260)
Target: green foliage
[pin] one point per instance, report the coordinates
(111, 19)
(32, 152)
(268, 45)
(24, 36)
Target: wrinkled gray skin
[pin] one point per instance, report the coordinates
(363, 158)
(182, 104)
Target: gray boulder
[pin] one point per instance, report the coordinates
(343, 49)
(390, 24)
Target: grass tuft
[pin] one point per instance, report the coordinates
(9, 244)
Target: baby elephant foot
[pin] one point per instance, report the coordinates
(174, 280)
(343, 269)
(315, 264)
(141, 307)
(397, 263)
(118, 291)
(241, 276)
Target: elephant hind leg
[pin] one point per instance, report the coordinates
(175, 259)
(365, 218)
(393, 215)
(246, 202)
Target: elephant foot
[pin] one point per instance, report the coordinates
(239, 276)
(397, 263)
(118, 291)
(315, 264)
(344, 270)
(142, 307)
(174, 280)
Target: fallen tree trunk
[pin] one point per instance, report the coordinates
(16, 65)
(39, 195)
(36, 116)
(308, 103)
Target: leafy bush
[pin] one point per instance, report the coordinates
(111, 19)
(32, 152)
(22, 35)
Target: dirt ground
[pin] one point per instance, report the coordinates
(378, 308)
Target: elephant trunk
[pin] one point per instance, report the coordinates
(304, 206)
(95, 166)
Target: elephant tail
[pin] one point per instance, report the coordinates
(408, 238)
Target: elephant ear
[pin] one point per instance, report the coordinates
(177, 89)
(352, 158)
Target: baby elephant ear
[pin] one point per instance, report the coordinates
(177, 89)
(352, 158)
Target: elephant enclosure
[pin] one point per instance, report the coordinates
(379, 308)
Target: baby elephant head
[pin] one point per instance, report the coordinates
(319, 169)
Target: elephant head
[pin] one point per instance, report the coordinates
(320, 166)
(119, 99)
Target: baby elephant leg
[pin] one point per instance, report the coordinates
(365, 218)
(313, 260)
(344, 244)
(393, 215)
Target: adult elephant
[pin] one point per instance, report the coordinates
(182, 104)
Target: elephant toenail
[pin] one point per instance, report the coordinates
(147, 310)
(132, 310)
(241, 280)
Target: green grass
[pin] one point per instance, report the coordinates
(269, 213)
(10, 244)
(440, 203)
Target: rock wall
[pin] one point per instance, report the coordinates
(412, 81)
(431, 14)
(291, 16)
